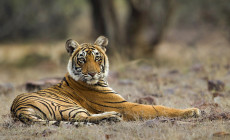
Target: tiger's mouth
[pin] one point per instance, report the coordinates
(90, 79)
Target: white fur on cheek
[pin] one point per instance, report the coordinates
(106, 67)
(70, 70)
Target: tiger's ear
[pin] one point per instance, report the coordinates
(71, 45)
(102, 42)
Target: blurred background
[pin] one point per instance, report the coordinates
(33, 33)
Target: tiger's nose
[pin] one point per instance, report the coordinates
(92, 73)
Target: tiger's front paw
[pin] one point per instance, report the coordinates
(111, 117)
(192, 112)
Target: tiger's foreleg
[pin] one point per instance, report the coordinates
(172, 112)
(133, 111)
(97, 118)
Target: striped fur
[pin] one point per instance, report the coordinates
(83, 97)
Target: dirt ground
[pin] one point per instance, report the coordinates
(178, 76)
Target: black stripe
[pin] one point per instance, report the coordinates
(117, 102)
(98, 91)
(65, 110)
(58, 98)
(104, 65)
(22, 101)
(108, 92)
(94, 110)
(64, 79)
(60, 84)
(83, 49)
(37, 98)
(73, 63)
(105, 105)
(19, 109)
(61, 111)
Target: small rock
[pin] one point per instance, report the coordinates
(217, 94)
(216, 85)
(34, 85)
(41, 84)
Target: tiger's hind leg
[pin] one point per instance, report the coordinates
(29, 117)
(62, 114)
(79, 114)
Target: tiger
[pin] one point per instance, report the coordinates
(83, 97)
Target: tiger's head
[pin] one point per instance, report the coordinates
(88, 62)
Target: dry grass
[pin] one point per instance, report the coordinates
(177, 77)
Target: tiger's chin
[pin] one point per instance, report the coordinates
(92, 81)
